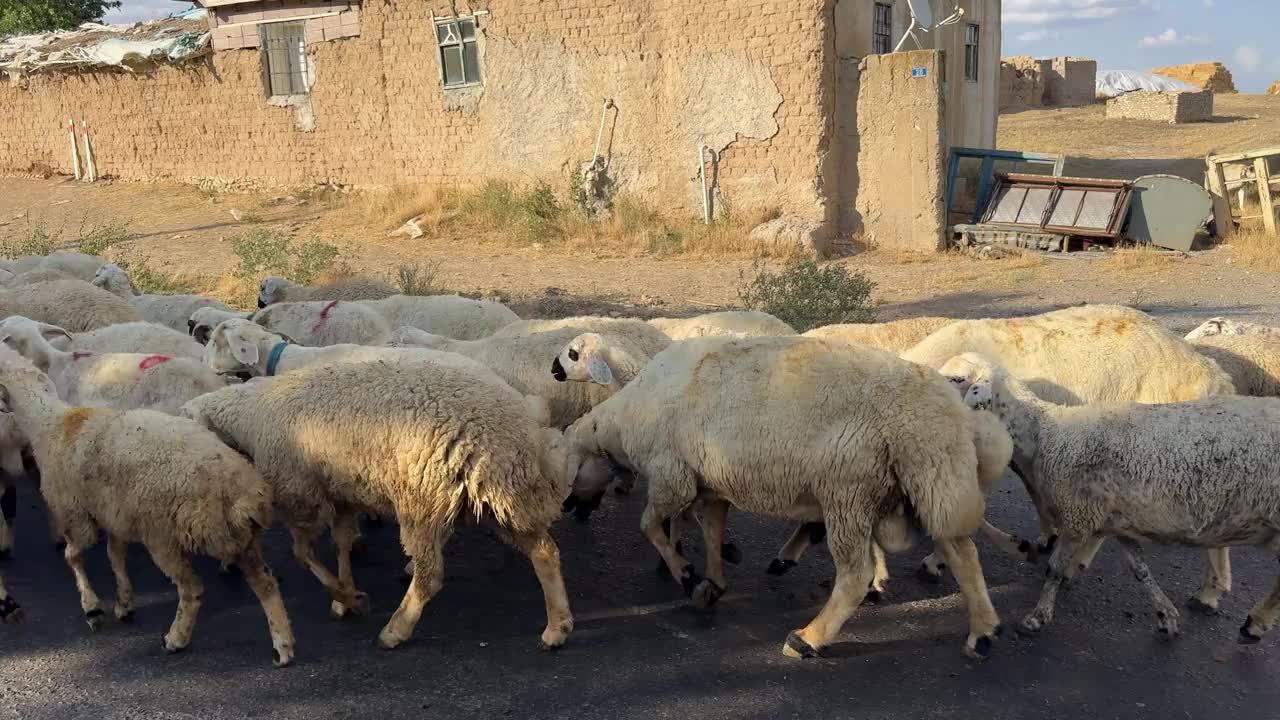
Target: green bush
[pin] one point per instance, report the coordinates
(148, 280)
(806, 295)
(418, 279)
(98, 238)
(312, 258)
(266, 252)
(532, 215)
(37, 242)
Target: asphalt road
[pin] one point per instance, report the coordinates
(638, 650)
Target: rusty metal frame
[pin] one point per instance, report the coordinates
(1122, 191)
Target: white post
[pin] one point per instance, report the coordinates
(75, 150)
(706, 196)
(88, 153)
(604, 113)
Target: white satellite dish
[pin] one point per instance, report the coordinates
(922, 20)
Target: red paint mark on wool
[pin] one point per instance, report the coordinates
(151, 361)
(78, 355)
(324, 315)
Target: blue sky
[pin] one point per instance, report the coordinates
(1119, 34)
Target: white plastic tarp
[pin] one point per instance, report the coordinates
(1117, 82)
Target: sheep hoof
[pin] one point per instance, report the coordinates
(1046, 547)
(1203, 607)
(706, 594)
(1029, 552)
(124, 614)
(94, 618)
(387, 641)
(1247, 636)
(1167, 624)
(796, 647)
(1031, 625)
(10, 611)
(282, 659)
(731, 553)
(553, 638)
(778, 566)
(980, 649)
(172, 646)
(689, 580)
(875, 595)
(930, 574)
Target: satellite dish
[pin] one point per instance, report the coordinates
(922, 20)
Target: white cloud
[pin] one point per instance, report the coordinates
(1248, 58)
(137, 10)
(1032, 36)
(1169, 38)
(1208, 3)
(1044, 12)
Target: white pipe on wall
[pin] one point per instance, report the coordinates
(75, 149)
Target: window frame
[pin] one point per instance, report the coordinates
(878, 37)
(462, 43)
(296, 77)
(972, 51)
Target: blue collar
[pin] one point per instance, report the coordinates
(273, 358)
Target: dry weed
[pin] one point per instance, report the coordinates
(392, 208)
(1142, 259)
(1255, 249)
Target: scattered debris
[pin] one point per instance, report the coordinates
(1167, 211)
(127, 47)
(237, 214)
(409, 229)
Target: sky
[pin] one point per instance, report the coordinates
(1119, 34)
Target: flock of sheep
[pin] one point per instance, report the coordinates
(185, 425)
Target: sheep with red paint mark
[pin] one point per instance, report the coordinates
(118, 380)
(274, 290)
(319, 324)
(134, 337)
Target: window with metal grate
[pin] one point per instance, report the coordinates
(284, 58)
(882, 29)
(971, 53)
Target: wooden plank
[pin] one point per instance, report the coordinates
(1265, 198)
(1240, 157)
(1221, 204)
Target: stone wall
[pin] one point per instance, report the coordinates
(1071, 82)
(1170, 107)
(1022, 83)
(902, 166)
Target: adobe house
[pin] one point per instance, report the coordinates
(381, 92)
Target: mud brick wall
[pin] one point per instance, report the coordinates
(1169, 107)
(1071, 82)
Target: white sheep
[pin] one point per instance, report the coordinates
(1083, 355)
(584, 323)
(37, 275)
(132, 337)
(530, 363)
(118, 380)
(1227, 326)
(809, 430)
(426, 443)
(274, 290)
(74, 305)
(734, 323)
(895, 336)
(172, 311)
(325, 323)
(10, 610)
(204, 320)
(448, 315)
(150, 478)
(1128, 470)
(1252, 360)
(75, 264)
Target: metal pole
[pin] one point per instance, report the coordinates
(604, 113)
(702, 171)
(75, 150)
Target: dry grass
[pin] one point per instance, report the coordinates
(390, 209)
(1140, 260)
(1255, 249)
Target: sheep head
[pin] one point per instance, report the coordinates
(584, 359)
(273, 290)
(235, 344)
(115, 280)
(30, 339)
(593, 469)
(205, 319)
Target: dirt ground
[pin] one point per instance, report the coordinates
(181, 229)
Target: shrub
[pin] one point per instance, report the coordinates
(37, 242)
(150, 281)
(98, 238)
(806, 295)
(313, 257)
(264, 252)
(418, 279)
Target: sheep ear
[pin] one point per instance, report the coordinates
(49, 332)
(244, 351)
(979, 395)
(599, 370)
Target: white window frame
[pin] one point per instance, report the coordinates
(299, 75)
(455, 29)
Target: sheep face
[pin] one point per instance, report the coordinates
(583, 360)
(30, 339)
(231, 347)
(1213, 326)
(202, 322)
(113, 279)
(272, 290)
(593, 471)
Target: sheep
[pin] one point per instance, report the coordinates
(425, 442)
(172, 311)
(1226, 326)
(1088, 354)
(740, 323)
(30, 277)
(584, 323)
(1128, 470)
(806, 429)
(10, 610)
(118, 380)
(132, 337)
(522, 362)
(1252, 360)
(70, 304)
(896, 336)
(274, 290)
(149, 478)
(448, 315)
(325, 323)
(205, 319)
(76, 264)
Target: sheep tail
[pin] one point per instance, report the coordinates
(942, 487)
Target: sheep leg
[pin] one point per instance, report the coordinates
(304, 538)
(879, 576)
(89, 602)
(117, 552)
(1261, 618)
(264, 585)
(542, 552)
(10, 610)
(680, 568)
(1063, 562)
(671, 526)
(709, 590)
(176, 565)
(428, 578)
(346, 532)
(984, 623)
(1166, 613)
(854, 570)
(8, 509)
(1217, 582)
(810, 533)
